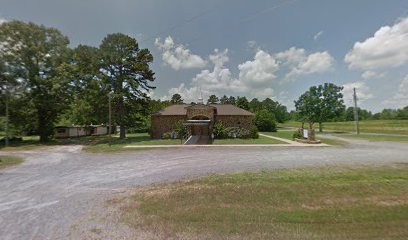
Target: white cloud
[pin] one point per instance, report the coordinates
(256, 77)
(318, 35)
(187, 94)
(372, 74)
(302, 64)
(292, 56)
(260, 71)
(178, 56)
(400, 99)
(387, 48)
(363, 92)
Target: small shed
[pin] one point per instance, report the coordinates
(70, 131)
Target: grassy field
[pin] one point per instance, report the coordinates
(369, 126)
(376, 137)
(93, 143)
(6, 161)
(260, 140)
(324, 203)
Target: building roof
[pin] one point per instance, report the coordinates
(222, 109)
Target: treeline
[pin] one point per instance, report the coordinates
(348, 115)
(45, 82)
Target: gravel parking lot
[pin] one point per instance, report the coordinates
(56, 192)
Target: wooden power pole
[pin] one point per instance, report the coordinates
(110, 118)
(356, 112)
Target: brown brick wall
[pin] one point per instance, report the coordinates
(200, 110)
(163, 124)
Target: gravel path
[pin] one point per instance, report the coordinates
(61, 192)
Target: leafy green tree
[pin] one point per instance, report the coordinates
(219, 130)
(231, 100)
(265, 121)
(38, 55)
(280, 112)
(320, 103)
(403, 113)
(255, 105)
(181, 130)
(362, 114)
(176, 99)
(213, 99)
(125, 70)
(224, 100)
(90, 104)
(242, 102)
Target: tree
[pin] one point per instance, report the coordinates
(320, 103)
(362, 114)
(125, 70)
(231, 100)
(213, 99)
(224, 100)
(255, 105)
(265, 121)
(181, 130)
(176, 99)
(38, 55)
(90, 103)
(242, 102)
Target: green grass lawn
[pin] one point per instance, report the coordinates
(368, 126)
(132, 139)
(6, 161)
(324, 203)
(285, 134)
(376, 137)
(260, 140)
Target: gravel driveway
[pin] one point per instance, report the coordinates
(56, 192)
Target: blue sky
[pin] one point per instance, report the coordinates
(254, 48)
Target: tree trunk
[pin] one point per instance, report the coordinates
(121, 107)
(122, 132)
(43, 128)
(310, 134)
(320, 127)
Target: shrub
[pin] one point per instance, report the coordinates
(254, 132)
(219, 130)
(265, 121)
(180, 130)
(167, 135)
(297, 134)
(239, 132)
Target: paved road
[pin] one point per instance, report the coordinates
(47, 196)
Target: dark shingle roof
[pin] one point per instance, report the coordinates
(222, 109)
(228, 109)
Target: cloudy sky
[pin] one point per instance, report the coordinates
(259, 48)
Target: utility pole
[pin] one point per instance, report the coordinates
(7, 117)
(356, 112)
(6, 91)
(110, 118)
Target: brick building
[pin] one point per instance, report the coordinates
(200, 118)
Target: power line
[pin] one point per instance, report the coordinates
(226, 26)
(185, 22)
(248, 18)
